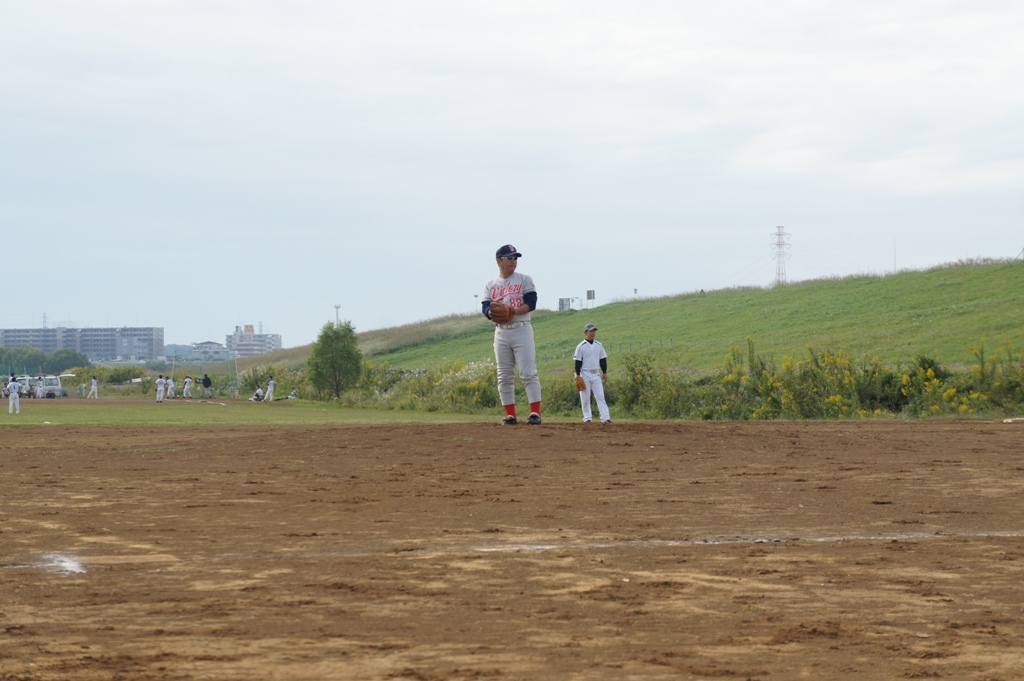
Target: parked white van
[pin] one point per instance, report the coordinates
(45, 386)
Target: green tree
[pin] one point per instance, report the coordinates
(60, 360)
(335, 362)
(24, 359)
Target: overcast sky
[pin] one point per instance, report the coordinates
(202, 164)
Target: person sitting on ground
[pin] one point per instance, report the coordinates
(257, 396)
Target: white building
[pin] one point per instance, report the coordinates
(210, 351)
(245, 342)
(125, 343)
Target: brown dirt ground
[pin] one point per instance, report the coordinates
(631, 551)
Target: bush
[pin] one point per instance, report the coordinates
(285, 380)
(825, 384)
(560, 394)
(636, 385)
(456, 387)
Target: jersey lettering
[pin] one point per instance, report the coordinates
(501, 292)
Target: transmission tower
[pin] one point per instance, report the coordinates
(781, 246)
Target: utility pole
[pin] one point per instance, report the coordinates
(337, 314)
(781, 246)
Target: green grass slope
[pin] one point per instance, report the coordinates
(941, 313)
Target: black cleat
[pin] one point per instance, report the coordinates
(509, 421)
(534, 419)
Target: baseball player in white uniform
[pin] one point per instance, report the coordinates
(94, 391)
(513, 341)
(161, 385)
(14, 397)
(169, 387)
(186, 391)
(591, 363)
(270, 390)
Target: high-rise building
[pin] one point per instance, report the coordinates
(141, 344)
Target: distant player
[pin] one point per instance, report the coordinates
(206, 386)
(169, 387)
(94, 391)
(186, 391)
(13, 396)
(161, 385)
(257, 396)
(270, 390)
(591, 365)
(508, 301)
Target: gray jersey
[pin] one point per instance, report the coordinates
(510, 291)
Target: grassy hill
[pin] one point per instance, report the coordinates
(941, 312)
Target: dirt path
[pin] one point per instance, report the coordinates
(663, 551)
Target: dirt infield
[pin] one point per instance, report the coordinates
(629, 551)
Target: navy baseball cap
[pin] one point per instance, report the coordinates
(507, 250)
(590, 327)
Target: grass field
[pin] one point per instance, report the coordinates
(940, 313)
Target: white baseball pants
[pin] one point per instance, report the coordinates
(596, 388)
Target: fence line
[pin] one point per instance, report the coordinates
(623, 347)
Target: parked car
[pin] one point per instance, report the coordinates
(42, 386)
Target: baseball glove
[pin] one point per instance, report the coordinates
(580, 383)
(501, 313)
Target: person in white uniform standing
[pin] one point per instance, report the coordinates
(161, 384)
(513, 340)
(591, 364)
(169, 387)
(14, 397)
(94, 391)
(270, 390)
(186, 391)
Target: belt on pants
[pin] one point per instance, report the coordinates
(512, 325)
(592, 371)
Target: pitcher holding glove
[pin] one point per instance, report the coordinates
(508, 301)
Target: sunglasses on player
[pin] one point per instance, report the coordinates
(510, 258)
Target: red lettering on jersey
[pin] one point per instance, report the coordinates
(499, 293)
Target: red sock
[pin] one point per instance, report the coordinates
(510, 409)
(535, 408)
